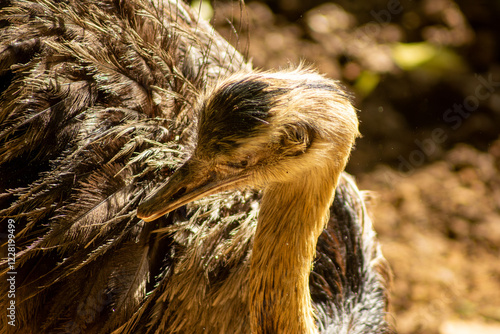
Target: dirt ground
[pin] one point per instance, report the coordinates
(426, 79)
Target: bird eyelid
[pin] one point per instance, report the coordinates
(237, 165)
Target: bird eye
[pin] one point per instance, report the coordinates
(237, 165)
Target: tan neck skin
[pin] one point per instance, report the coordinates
(292, 217)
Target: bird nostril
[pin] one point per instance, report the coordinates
(213, 176)
(179, 193)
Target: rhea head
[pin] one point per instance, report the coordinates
(257, 129)
(289, 133)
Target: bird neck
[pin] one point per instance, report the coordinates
(291, 219)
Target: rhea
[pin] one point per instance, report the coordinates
(289, 133)
(254, 226)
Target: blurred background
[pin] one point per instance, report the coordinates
(425, 76)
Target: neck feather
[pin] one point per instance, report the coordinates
(291, 219)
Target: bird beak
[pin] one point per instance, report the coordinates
(189, 183)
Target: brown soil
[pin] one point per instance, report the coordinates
(426, 78)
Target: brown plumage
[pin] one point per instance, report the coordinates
(101, 101)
